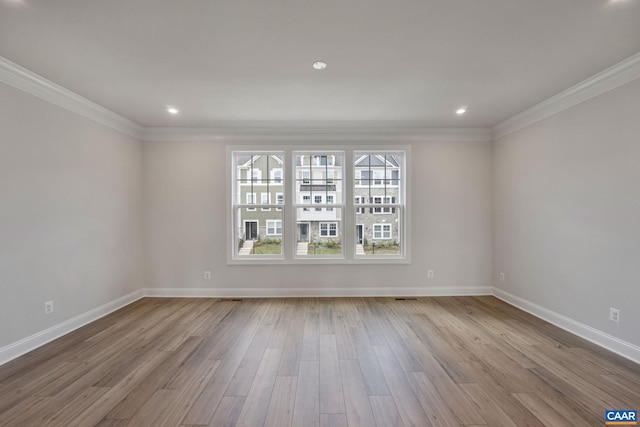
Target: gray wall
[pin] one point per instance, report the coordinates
(185, 200)
(567, 212)
(70, 214)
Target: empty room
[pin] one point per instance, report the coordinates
(319, 213)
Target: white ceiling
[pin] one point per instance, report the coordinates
(245, 63)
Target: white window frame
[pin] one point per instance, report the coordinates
(272, 225)
(327, 229)
(251, 200)
(345, 203)
(256, 175)
(277, 180)
(279, 200)
(263, 202)
(382, 231)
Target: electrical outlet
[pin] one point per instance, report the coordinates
(48, 307)
(502, 277)
(207, 275)
(614, 315)
(429, 274)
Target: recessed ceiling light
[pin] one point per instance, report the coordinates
(319, 65)
(460, 111)
(172, 110)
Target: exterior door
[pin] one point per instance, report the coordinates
(360, 232)
(303, 232)
(251, 230)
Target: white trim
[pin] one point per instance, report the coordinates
(609, 342)
(622, 73)
(236, 133)
(20, 78)
(417, 291)
(18, 348)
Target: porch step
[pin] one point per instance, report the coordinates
(303, 248)
(360, 249)
(246, 248)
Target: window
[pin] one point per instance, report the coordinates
(381, 231)
(306, 199)
(328, 229)
(251, 200)
(309, 218)
(384, 200)
(380, 198)
(365, 178)
(265, 199)
(276, 176)
(256, 176)
(274, 227)
(330, 175)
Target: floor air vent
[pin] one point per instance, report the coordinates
(406, 299)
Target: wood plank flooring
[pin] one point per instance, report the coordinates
(371, 362)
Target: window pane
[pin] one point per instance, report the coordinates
(374, 237)
(258, 182)
(319, 175)
(258, 233)
(319, 233)
(378, 199)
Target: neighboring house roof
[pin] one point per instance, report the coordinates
(378, 160)
(244, 161)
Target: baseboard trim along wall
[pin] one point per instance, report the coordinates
(317, 292)
(41, 338)
(609, 342)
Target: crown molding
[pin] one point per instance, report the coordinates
(319, 134)
(20, 78)
(622, 73)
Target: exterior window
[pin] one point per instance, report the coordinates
(251, 200)
(330, 174)
(385, 200)
(381, 231)
(328, 229)
(256, 232)
(256, 176)
(276, 220)
(274, 227)
(379, 194)
(276, 176)
(365, 178)
(265, 199)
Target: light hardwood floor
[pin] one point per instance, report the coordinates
(445, 361)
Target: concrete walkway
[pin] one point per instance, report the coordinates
(360, 249)
(303, 248)
(246, 248)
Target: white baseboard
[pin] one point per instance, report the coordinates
(41, 338)
(418, 291)
(609, 342)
